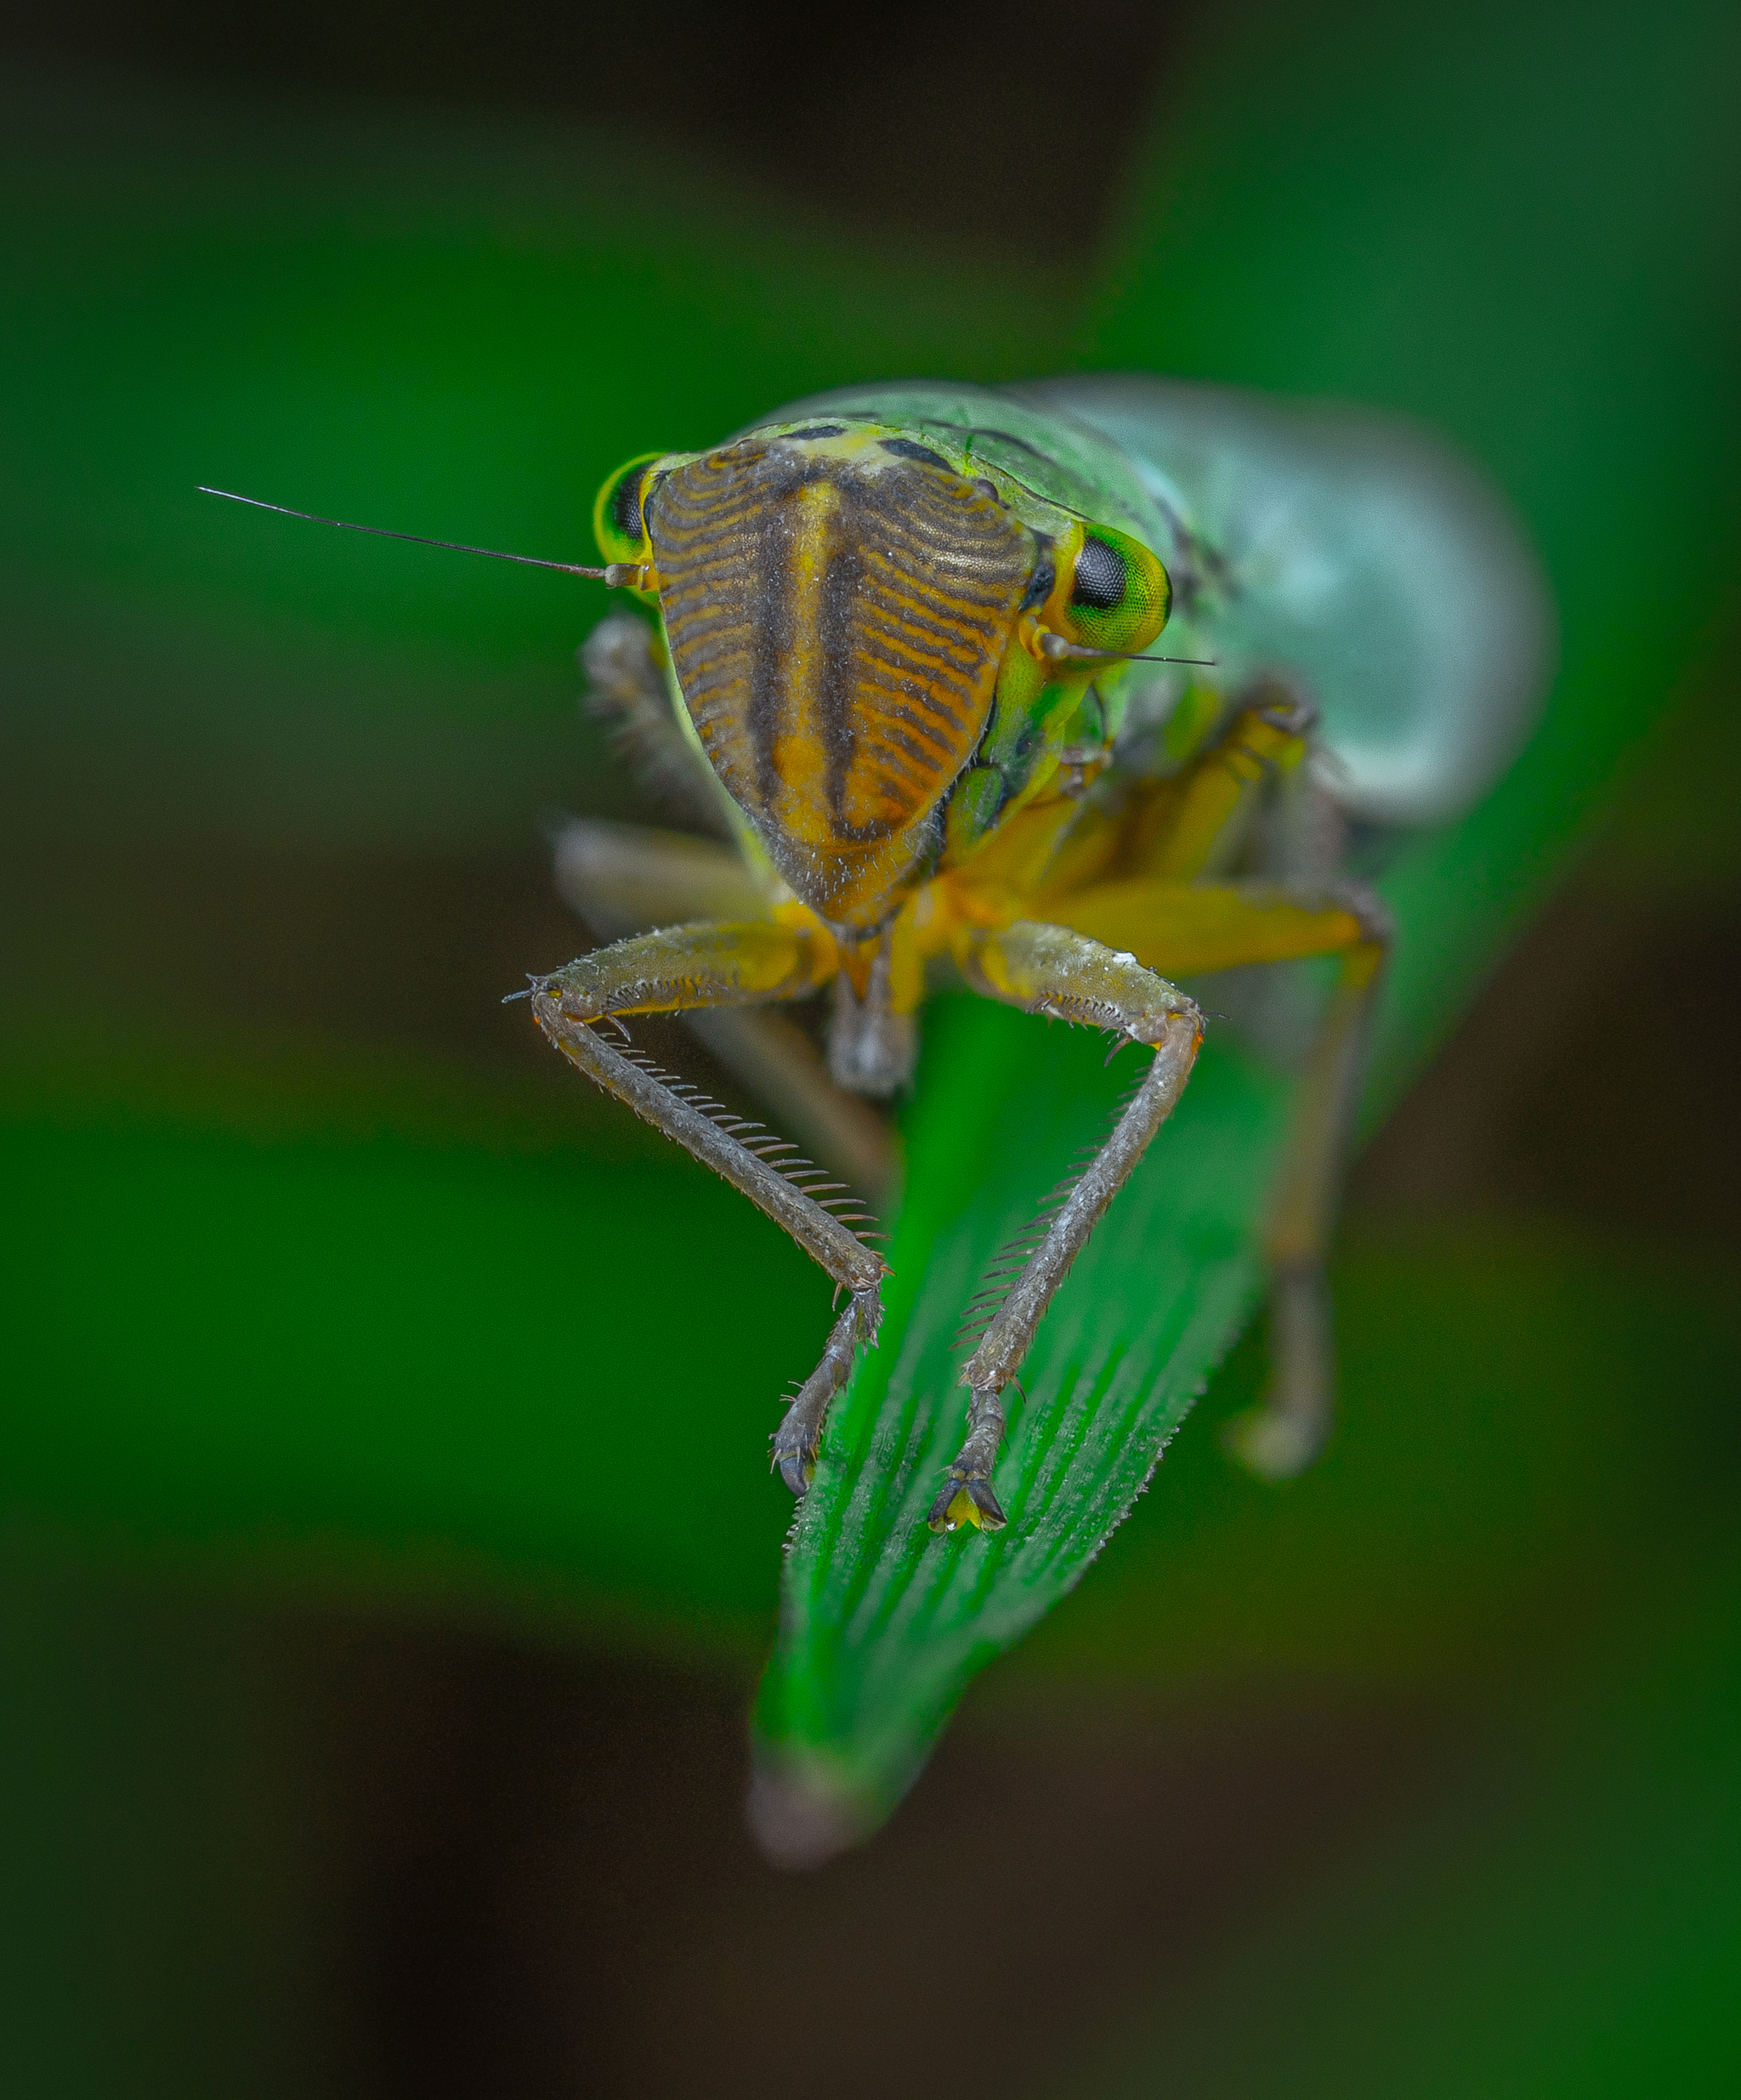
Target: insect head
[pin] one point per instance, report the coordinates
(882, 644)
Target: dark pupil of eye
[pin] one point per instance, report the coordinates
(1099, 582)
(626, 507)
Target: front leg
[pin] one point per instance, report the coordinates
(1051, 970)
(622, 879)
(1187, 928)
(725, 966)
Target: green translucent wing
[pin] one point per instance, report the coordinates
(1355, 554)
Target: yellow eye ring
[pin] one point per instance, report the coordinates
(1120, 595)
(618, 521)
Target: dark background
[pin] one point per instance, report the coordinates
(899, 120)
(299, 1809)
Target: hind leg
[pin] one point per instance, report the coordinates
(1285, 1432)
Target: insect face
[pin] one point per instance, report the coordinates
(838, 610)
(846, 608)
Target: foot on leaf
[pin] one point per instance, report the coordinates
(965, 1501)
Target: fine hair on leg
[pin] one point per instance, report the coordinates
(726, 965)
(624, 879)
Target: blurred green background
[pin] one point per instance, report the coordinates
(388, 1554)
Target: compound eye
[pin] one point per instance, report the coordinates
(1099, 582)
(1120, 593)
(618, 516)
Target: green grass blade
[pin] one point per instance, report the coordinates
(884, 1622)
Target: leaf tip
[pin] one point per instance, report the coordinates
(801, 1811)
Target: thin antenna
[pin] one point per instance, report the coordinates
(617, 572)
